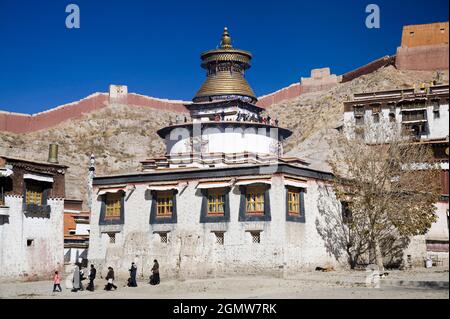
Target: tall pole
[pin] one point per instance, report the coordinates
(91, 175)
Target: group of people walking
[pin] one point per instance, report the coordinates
(78, 277)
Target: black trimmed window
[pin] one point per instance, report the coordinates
(216, 202)
(346, 212)
(164, 207)
(295, 204)
(215, 205)
(254, 200)
(35, 197)
(220, 237)
(255, 203)
(256, 236)
(112, 210)
(34, 194)
(392, 117)
(113, 206)
(359, 120)
(5, 187)
(164, 204)
(112, 238)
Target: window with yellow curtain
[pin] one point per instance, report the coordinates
(34, 194)
(113, 205)
(164, 204)
(216, 202)
(293, 202)
(254, 200)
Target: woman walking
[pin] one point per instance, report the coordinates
(133, 271)
(154, 279)
(110, 278)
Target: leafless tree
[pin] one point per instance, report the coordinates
(389, 183)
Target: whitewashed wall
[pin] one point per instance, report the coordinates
(192, 248)
(229, 140)
(47, 252)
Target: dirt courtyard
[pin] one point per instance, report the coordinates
(422, 284)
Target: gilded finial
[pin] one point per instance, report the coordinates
(226, 39)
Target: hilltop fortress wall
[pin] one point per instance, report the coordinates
(424, 47)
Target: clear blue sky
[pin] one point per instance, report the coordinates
(154, 46)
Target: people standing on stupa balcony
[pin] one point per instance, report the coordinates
(132, 280)
(185, 119)
(222, 116)
(92, 274)
(154, 278)
(217, 118)
(276, 122)
(269, 120)
(110, 279)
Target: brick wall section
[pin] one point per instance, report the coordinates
(368, 68)
(423, 58)
(425, 34)
(167, 105)
(287, 93)
(25, 123)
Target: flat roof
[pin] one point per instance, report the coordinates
(15, 159)
(212, 172)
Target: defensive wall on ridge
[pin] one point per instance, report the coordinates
(423, 47)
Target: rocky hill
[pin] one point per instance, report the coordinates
(314, 116)
(121, 136)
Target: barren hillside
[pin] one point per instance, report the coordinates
(121, 136)
(313, 116)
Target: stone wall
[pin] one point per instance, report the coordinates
(287, 93)
(423, 58)
(320, 80)
(44, 255)
(368, 68)
(425, 34)
(25, 123)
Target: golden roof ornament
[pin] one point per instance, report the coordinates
(226, 39)
(225, 68)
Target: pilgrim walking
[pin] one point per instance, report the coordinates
(132, 280)
(92, 274)
(154, 279)
(110, 278)
(76, 281)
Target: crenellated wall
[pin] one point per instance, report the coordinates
(25, 123)
(287, 93)
(423, 58)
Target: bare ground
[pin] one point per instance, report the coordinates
(305, 285)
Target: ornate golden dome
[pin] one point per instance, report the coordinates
(225, 68)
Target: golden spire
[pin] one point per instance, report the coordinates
(226, 39)
(225, 73)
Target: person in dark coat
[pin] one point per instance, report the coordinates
(110, 278)
(92, 274)
(133, 270)
(154, 279)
